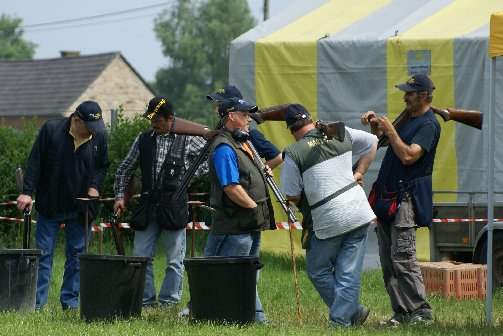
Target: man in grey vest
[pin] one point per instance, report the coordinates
(317, 176)
(238, 189)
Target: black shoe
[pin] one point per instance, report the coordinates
(66, 307)
(360, 316)
(150, 305)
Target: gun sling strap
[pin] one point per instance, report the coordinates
(334, 195)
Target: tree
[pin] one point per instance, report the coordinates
(195, 37)
(12, 43)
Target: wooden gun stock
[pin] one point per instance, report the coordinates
(335, 130)
(187, 127)
(273, 113)
(471, 118)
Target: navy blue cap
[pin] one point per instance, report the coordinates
(90, 113)
(233, 105)
(228, 91)
(157, 107)
(417, 83)
(294, 113)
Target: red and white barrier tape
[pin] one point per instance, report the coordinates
(279, 225)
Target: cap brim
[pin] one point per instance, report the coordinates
(215, 96)
(154, 117)
(406, 88)
(248, 108)
(96, 125)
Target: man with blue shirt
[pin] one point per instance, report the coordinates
(263, 146)
(238, 189)
(405, 175)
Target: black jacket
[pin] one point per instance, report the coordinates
(59, 174)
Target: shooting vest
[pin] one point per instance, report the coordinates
(336, 203)
(229, 217)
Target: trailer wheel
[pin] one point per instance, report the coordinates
(481, 258)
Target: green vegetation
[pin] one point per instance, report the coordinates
(195, 37)
(12, 43)
(276, 287)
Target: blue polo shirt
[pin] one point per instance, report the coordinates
(225, 162)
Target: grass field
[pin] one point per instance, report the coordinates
(276, 287)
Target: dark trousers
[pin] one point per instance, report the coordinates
(401, 272)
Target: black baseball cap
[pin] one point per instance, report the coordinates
(228, 91)
(90, 113)
(294, 113)
(417, 83)
(233, 105)
(158, 107)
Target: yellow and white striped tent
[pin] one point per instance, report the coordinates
(341, 58)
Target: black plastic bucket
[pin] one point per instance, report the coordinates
(18, 279)
(111, 286)
(223, 289)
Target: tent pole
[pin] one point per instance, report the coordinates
(490, 191)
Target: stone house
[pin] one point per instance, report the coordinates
(50, 88)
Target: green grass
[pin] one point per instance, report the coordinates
(276, 287)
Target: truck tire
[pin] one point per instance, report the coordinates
(481, 258)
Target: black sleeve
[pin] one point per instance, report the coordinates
(35, 161)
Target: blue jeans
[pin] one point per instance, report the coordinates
(334, 266)
(246, 244)
(46, 232)
(145, 244)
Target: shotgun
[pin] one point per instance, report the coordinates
(189, 173)
(119, 246)
(471, 118)
(26, 212)
(186, 127)
(270, 181)
(273, 113)
(276, 112)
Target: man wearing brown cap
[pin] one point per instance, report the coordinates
(318, 178)
(69, 159)
(238, 189)
(402, 198)
(163, 158)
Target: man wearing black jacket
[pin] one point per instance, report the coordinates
(69, 159)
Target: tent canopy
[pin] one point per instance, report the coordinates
(340, 58)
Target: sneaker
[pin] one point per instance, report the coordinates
(420, 320)
(360, 316)
(185, 312)
(395, 320)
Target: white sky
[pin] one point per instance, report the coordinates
(132, 33)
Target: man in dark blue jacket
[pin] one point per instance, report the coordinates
(69, 159)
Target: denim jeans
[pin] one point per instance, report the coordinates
(145, 244)
(46, 232)
(246, 244)
(334, 266)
